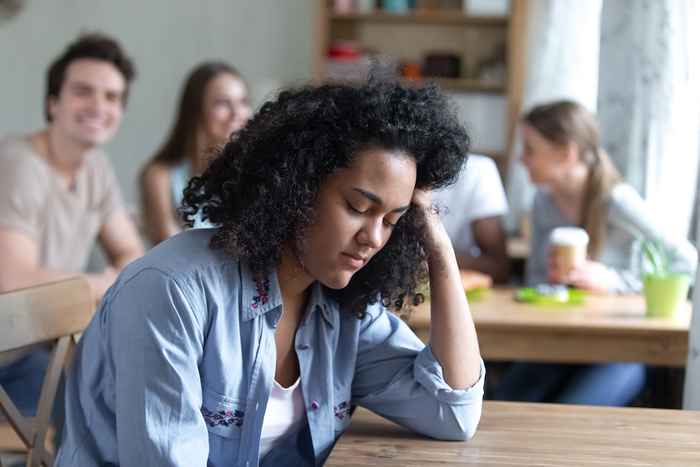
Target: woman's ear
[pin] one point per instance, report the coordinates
(50, 107)
(571, 153)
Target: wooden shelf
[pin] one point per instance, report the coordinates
(468, 85)
(454, 84)
(411, 36)
(444, 17)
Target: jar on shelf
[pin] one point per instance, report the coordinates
(365, 6)
(396, 6)
(342, 6)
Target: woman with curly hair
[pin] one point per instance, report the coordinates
(250, 343)
(213, 106)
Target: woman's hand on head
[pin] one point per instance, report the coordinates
(436, 235)
(422, 199)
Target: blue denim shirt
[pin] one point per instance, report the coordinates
(176, 368)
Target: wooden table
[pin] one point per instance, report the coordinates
(520, 434)
(604, 329)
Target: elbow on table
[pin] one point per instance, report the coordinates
(463, 433)
(461, 427)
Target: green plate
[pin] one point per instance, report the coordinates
(473, 295)
(569, 297)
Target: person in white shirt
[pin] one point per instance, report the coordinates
(473, 217)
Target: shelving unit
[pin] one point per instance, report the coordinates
(470, 85)
(412, 35)
(448, 17)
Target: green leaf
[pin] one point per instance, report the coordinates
(657, 257)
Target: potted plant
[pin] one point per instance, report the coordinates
(665, 291)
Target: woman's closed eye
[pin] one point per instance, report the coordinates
(362, 210)
(355, 210)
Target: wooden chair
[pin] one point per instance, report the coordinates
(45, 314)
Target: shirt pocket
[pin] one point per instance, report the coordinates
(224, 418)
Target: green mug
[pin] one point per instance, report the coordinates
(665, 294)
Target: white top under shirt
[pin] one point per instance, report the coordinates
(477, 194)
(283, 416)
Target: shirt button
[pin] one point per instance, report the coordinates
(315, 405)
(303, 347)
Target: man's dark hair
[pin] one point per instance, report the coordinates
(95, 46)
(261, 188)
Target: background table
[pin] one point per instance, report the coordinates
(520, 434)
(605, 329)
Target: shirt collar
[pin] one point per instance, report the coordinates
(261, 293)
(320, 302)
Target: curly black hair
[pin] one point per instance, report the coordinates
(262, 185)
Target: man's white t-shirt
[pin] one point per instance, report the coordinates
(477, 194)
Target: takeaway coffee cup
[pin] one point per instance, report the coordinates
(568, 246)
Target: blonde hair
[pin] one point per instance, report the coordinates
(565, 122)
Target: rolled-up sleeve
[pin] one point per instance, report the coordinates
(428, 372)
(398, 377)
(157, 341)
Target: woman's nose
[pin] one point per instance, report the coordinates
(371, 234)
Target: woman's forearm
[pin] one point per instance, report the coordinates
(453, 337)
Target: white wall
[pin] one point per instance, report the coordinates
(486, 118)
(268, 41)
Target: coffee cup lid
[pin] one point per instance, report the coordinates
(569, 236)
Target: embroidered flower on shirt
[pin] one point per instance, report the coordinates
(262, 286)
(342, 410)
(223, 417)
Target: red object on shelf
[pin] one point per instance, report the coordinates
(344, 51)
(411, 70)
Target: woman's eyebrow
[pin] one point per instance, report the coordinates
(377, 200)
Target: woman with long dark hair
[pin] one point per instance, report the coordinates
(213, 106)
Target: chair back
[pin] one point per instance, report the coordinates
(50, 314)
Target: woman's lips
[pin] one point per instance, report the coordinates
(354, 261)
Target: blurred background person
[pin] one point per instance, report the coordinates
(475, 206)
(213, 106)
(578, 186)
(58, 191)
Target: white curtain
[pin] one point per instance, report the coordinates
(563, 37)
(649, 106)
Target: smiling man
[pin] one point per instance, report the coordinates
(58, 192)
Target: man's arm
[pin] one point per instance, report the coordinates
(490, 237)
(20, 267)
(120, 240)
